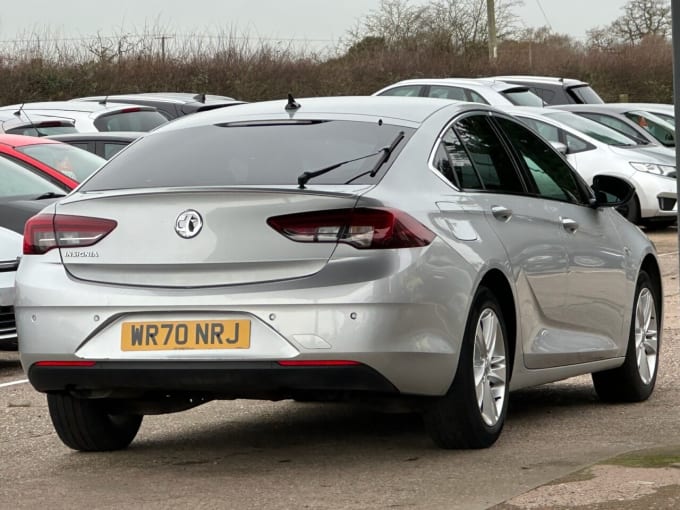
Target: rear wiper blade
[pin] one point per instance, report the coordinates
(385, 151)
(49, 194)
(306, 176)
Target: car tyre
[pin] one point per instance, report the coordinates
(634, 380)
(86, 425)
(472, 413)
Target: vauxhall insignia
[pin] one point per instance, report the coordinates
(188, 224)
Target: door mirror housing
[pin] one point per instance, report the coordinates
(560, 147)
(611, 191)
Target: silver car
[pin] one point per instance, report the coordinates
(428, 250)
(10, 250)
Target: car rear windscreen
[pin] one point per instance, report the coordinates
(132, 119)
(251, 154)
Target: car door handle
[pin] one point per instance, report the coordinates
(569, 225)
(501, 213)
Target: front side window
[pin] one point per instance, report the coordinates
(614, 123)
(488, 156)
(554, 134)
(553, 177)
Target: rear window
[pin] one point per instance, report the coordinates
(40, 130)
(585, 94)
(130, 120)
(522, 97)
(257, 153)
(76, 163)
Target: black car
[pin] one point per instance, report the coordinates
(170, 104)
(556, 90)
(104, 143)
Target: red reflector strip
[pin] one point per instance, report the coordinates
(65, 363)
(318, 363)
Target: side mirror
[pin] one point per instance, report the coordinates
(560, 147)
(611, 191)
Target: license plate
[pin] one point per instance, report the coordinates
(191, 335)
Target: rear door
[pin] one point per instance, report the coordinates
(528, 230)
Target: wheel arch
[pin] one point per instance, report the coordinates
(496, 281)
(651, 266)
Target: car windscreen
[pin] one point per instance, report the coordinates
(655, 126)
(18, 181)
(78, 164)
(593, 129)
(130, 119)
(251, 154)
(521, 96)
(585, 94)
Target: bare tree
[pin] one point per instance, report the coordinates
(641, 19)
(458, 24)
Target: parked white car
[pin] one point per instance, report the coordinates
(10, 250)
(475, 90)
(594, 149)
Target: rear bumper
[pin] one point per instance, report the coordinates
(217, 379)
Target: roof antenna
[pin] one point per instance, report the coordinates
(103, 101)
(33, 126)
(200, 98)
(292, 103)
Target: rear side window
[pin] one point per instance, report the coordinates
(19, 181)
(252, 154)
(454, 164)
(130, 120)
(405, 91)
(488, 155)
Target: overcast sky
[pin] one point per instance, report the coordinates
(321, 22)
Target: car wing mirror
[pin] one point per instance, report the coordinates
(611, 191)
(560, 147)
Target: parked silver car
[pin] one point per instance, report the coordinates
(10, 251)
(594, 149)
(476, 90)
(87, 116)
(640, 124)
(429, 250)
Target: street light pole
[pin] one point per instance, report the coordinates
(491, 24)
(675, 16)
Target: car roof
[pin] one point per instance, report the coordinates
(569, 82)
(662, 107)
(163, 97)
(71, 106)
(23, 140)
(603, 108)
(484, 83)
(412, 110)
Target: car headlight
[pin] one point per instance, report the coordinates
(654, 168)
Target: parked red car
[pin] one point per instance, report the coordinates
(61, 163)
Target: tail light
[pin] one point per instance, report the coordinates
(46, 231)
(362, 228)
